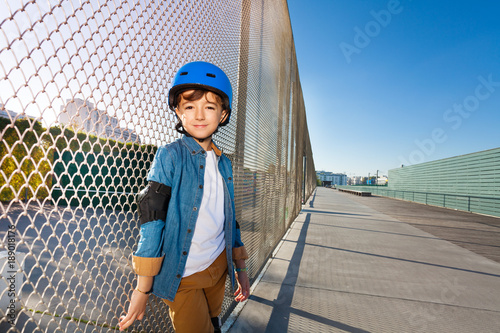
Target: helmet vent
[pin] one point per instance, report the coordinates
(184, 73)
(211, 75)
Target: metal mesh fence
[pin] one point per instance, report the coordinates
(83, 103)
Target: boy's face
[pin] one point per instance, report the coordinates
(200, 118)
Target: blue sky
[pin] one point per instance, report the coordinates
(387, 83)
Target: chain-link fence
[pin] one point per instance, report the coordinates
(83, 103)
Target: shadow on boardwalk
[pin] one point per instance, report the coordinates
(349, 264)
(477, 233)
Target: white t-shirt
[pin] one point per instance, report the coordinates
(208, 237)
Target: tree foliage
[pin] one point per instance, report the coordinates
(27, 155)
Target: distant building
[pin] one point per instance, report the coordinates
(330, 178)
(360, 180)
(382, 180)
(356, 180)
(4, 113)
(83, 116)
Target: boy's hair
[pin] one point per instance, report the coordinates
(195, 95)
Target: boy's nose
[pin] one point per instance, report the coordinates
(200, 114)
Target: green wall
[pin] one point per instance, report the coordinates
(105, 180)
(468, 182)
(475, 174)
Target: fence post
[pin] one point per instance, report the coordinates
(304, 166)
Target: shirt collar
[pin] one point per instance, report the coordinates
(216, 149)
(195, 148)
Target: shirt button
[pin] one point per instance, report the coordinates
(230, 178)
(201, 166)
(201, 186)
(178, 276)
(193, 152)
(184, 253)
(189, 231)
(195, 208)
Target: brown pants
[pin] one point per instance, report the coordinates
(199, 298)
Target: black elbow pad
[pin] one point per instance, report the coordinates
(152, 202)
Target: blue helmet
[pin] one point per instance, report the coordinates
(202, 75)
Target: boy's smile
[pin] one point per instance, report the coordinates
(200, 118)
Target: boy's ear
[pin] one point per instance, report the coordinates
(177, 112)
(224, 116)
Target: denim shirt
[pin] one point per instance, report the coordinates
(181, 166)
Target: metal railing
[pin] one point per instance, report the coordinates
(469, 203)
(83, 108)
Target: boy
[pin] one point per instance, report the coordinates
(189, 236)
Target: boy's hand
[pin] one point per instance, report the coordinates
(136, 310)
(243, 291)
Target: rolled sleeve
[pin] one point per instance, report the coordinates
(240, 253)
(146, 266)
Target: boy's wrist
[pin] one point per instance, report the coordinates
(143, 292)
(144, 284)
